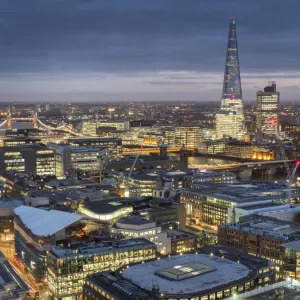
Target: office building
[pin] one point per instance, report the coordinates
(139, 227)
(213, 273)
(248, 151)
(89, 128)
(291, 261)
(121, 125)
(262, 237)
(188, 135)
(216, 204)
(169, 137)
(113, 144)
(88, 159)
(214, 177)
(37, 230)
(182, 241)
(40, 160)
(230, 118)
(36, 159)
(11, 158)
(67, 268)
(19, 140)
(267, 110)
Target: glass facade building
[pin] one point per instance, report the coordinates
(267, 111)
(68, 269)
(230, 118)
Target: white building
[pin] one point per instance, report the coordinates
(139, 227)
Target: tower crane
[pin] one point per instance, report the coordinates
(291, 173)
(130, 172)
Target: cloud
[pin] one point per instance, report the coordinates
(60, 46)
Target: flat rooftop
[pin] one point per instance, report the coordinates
(100, 248)
(106, 206)
(10, 202)
(134, 220)
(241, 193)
(194, 273)
(267, 226)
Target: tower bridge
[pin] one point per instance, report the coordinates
(36, 123)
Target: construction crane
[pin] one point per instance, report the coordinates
(291, 173)
(129, 174)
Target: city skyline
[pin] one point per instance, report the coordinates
(142, 51)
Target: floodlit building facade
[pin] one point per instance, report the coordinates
(267, 110)
(67, 269)
(37, 230)
(139, 227)
(230, 118)
(188, 135)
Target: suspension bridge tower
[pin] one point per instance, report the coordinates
(9, 121)
(35, 120)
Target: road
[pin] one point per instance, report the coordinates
(29, 280)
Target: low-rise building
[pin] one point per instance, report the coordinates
(137, 226)
(260, 236)
(216, 204)
(212, 273)
(67, 269)
(182, 241)
(106, 210)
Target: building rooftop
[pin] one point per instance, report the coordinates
(295, 245)
(117, 286)
(10, 202)
(179, 234)
(99, 248)
(241, 193)
(267, 226)
(56, 183)
(134, 220)
(45, 222)
(105, 206)
(186, 274)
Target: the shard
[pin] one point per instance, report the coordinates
(230, 118)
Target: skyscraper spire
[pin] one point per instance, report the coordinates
(230, 118)
(232, 80)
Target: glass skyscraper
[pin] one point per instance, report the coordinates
(230, 118)
(267, 111)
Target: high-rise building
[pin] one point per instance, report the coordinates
(35, 158)
(267, 110)
(188, 135)
(230, 118)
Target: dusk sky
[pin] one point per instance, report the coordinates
(144, 50)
